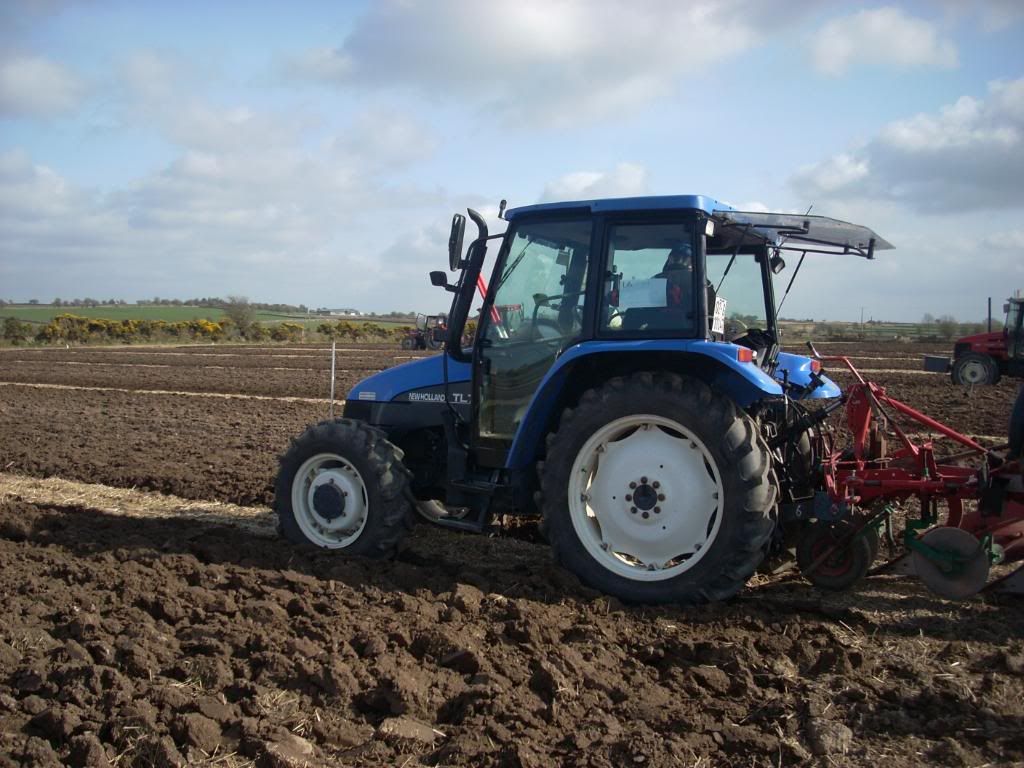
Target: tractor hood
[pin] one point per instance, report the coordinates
(427, 372)
(996, 337)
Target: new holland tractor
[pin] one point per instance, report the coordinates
(640, 404)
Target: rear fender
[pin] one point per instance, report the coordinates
(586, 365)
(797, 370)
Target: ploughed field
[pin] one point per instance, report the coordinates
(143, 629)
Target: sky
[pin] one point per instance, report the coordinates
(314, 152)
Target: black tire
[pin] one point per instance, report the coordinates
(1016, 432)
(385, 480)
(743, 464)
(975, 368)
(847, 565)
(408, 343)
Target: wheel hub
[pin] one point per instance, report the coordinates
(645, 497)
(329, 501)
(973, 373)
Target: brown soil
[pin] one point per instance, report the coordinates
(155, 640)
(196, 447)
(140, 640)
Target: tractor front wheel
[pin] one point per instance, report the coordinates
(341, 485)
(975, 368)
(657, 490)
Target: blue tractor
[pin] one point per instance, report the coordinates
(640, 403)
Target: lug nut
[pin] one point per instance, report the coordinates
(661, 497)
(646, 515)
(657, 510)
(643, 480)
(632, 485)
(633, 510)
(656, 484)
(629, 497)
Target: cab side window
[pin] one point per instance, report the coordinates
(649, 284)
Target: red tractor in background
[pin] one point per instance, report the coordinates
(429, 333)
(984, 358)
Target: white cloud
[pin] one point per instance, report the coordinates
(539, 63)
(251, 204)
(626, 180)
(34, 86)
(968, 155)
(880, 37)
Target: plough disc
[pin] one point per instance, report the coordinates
(960, 579)
(1011, 584)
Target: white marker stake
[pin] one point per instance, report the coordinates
(333, 351)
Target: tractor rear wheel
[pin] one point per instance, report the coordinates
(341, 485)
(975, 368)
(658, 490)
(408, 343)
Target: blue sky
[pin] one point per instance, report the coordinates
(315, 152)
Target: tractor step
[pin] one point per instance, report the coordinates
(450, 517)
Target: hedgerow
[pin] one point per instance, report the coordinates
(73, 329)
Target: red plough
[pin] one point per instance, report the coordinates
(982, 490)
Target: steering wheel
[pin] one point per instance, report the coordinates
(538, 326)
(735, 329)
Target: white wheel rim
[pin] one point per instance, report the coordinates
(670, 479)
(973, 372)
(329, 501)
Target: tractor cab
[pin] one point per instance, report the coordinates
(1015, 329)
(684, 282)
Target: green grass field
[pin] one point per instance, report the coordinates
(43, 313)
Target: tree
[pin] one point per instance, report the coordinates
(947, 326)
(16, 331)
(240, 312)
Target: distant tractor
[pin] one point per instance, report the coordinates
(430, 333)
(986, 357)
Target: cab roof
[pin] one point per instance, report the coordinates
(625, 204)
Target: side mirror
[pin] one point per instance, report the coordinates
(455, 243)
(1006, 308)
(776, 264)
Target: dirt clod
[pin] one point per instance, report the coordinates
(828, 737)
(408, 729)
